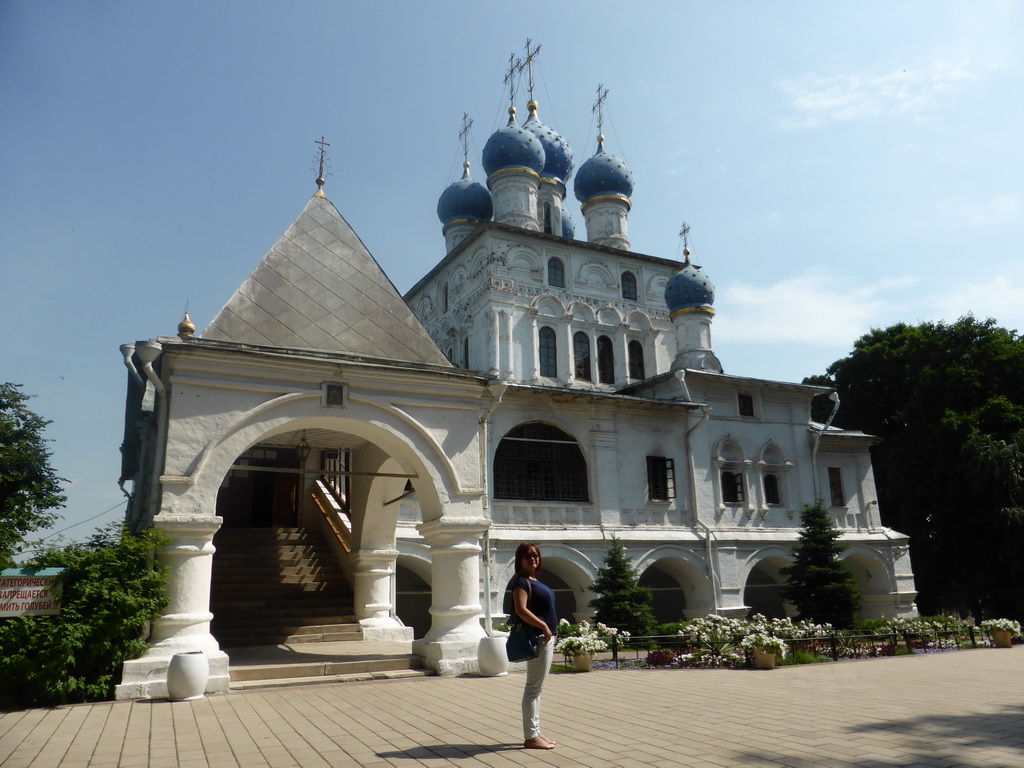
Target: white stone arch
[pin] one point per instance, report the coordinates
(457, 278)
(581, 311)
(876, 577)
(690, 572)
(425, 307)
(403, 439)
(656, 286)
(765, 561)
(771, 461)
(597, 273)
(522, 257)
(478, 260)
(549, 306)
(609, 316)
(730, 461)
(411, 605)
(568, 563)
(638, 321)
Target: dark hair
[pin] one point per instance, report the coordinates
(523, 550)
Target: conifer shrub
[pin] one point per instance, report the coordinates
(111, 591)
(622, 602)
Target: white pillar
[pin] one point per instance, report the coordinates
(374, 572)
(185, 623)
(450, 647)
(607, 220)
(514, 193)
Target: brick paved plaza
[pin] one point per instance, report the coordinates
(961, 708)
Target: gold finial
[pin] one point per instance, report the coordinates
(532, 106)
(320, 181)
(186, 328)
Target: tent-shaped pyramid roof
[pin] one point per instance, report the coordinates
(319, 288)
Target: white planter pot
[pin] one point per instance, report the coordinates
(582, 662)
(490, 656)
(187, 675)
(764, 659)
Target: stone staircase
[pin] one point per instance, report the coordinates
(278, 585)
(283, 611)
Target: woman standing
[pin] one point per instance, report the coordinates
(535, 605)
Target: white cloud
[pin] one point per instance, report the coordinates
(997, 209)
(1002, 299)
(813, 309)
(817, 100)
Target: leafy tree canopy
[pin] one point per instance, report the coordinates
(948, 401)
(29, 487)
(818, 584)
(621, 602)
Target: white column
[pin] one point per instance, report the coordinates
(374, 573)
(450, 647)
(185, 623)
(567, 357)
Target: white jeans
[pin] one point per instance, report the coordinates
(536, 673)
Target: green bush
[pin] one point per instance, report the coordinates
(111, 591)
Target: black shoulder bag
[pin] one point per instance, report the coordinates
(523, 639)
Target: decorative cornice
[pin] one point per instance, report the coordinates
(692, 310)
(606, 198)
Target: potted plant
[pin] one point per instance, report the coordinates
(1002, 631)
(580, 642)
(765, 648)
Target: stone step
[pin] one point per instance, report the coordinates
(355, 677)
(319, 669)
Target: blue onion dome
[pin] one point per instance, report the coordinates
(689, 288)
(603, 174)
(465, 199)
(568, 228)
(557, 154)
(513, 147)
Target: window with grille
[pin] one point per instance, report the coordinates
(661, 478)
(629, 286)
(835, 487)
(581, 354)
(539, 462)
(605, 360)
(556, 273)
(548, 352)
(772, 493)
(732, 487)
(636, 360)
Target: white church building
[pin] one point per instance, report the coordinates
(531, 387)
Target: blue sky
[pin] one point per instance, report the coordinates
(843, 166)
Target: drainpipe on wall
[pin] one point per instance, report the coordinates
(712, 571)
(497, 391)
(148, 352)
(834, 397)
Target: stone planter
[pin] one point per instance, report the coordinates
(490, 656)
(187, 675)
(763, 659)
(1002, 638)
(582, 661)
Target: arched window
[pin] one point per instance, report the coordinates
(445, 297)
(771, 490)
(581, 354)
(548, 228)
(548, 352)
(605, 360)
(465, 352)
(636, 360)
(556, 273)
(732, 487)
(629, 286)
(539, 462)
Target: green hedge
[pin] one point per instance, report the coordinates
(111, 591)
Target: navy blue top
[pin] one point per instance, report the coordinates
(542, 602)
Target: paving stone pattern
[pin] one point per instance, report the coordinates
(962, 708)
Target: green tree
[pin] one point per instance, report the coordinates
(948, 402)
(821, 587)
(29, 488)
(621, 601)
(111, 591)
